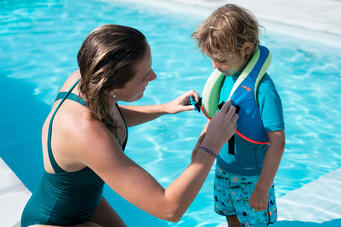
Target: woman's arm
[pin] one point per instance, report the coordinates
(201, 138)
(132, 182)
(259, 198)
(135, 115)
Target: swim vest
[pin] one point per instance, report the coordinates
(243, 94)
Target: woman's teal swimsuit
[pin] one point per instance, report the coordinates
(64, 198)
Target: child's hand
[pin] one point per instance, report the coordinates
(182, 102)
(259, 200)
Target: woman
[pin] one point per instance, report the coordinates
(85, 134)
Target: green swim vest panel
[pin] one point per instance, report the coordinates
(64, 198)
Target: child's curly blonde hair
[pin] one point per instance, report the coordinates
(226, 30)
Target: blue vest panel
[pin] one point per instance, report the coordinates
(249, 124)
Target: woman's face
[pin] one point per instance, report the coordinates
(133, 89)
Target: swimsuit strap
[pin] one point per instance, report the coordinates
(63, 96)
(70, 96)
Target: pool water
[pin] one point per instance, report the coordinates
(39, 42)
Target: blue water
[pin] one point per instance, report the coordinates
(39, 42)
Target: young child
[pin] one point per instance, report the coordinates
(243, 187)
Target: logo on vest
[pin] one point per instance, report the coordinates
(246, 88)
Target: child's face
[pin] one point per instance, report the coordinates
(229, 65)
(233, 63)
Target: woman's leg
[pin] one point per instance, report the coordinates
(106, 216)
(45, 226)
(85, 224)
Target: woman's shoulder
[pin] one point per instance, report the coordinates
(71, 80)
(95, 143)
(84, 138)
(88, 130)
(79, 131)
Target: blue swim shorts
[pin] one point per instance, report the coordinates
(231, 197)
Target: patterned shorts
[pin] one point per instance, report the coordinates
(231, 197)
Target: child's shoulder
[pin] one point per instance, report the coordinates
(266, 83)
(266, 88)
(266, 80)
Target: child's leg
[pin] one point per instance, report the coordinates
(247, 215)
(232, 221)
(223, 203)
(272, 209)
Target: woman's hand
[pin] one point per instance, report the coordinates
(182, 102)
(221, 127)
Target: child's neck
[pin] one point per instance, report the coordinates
(235, 76)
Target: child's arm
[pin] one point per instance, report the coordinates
(259, 197)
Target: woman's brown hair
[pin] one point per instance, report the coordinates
(107, 60)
